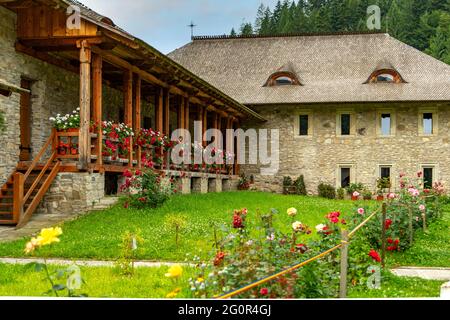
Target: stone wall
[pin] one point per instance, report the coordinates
(73, 193)
(318, 156)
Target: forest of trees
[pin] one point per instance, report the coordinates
(423, 24)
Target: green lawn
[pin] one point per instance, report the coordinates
(431, 249)
(399, 287)
(98, 235)
(19, 280)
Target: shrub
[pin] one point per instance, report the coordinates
(327, 191)
(244, 183)
(300, 185)
(340, 194)
(287, 181)
(146, 188)
(177, 223)
(358, 187)
(129, 248)
(367, 194)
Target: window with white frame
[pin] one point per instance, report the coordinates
(303, 124)
(345, 123)
(428, 122)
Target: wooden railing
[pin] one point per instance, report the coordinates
(25, 204)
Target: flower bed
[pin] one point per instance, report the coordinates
(252, 249)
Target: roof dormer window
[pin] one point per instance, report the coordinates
(385, 76)
(282, 79)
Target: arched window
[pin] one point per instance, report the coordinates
(282, 79)
(385, 76)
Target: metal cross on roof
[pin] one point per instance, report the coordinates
(192, 26)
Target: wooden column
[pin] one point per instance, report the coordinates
(186, 113)
(166, 113)
(159, 122)
(128, 107)
(128, 97)
(97, 104)
(85, 106)
(137, 113)
(204, 125)
(215, 125)
(181, 121)
(238, 152)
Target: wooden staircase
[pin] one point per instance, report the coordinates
(26, 187)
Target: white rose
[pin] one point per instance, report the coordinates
(320, 227)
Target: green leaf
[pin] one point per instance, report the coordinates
(59, 287)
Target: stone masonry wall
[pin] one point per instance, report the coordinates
(73, 193)
(318, 157)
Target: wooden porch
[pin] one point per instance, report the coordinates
(104, 55)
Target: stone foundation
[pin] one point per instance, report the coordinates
(215, 185)
(200, 185)
(73, 193)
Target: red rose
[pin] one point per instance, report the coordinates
(264, 292)
(374, 255)
(237, 222)
(219, 258)
(388, 223)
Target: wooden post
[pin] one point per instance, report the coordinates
(237, 167)
(128, 108)
(204, 124)
(159, 123)
(186, 114)
(181, 119)
(424, 220)
(18, 193)
(85, 106)
(97, 104)
(410, 227)
(137, 115)
(166, 113)
(383, 236)
(344, 266)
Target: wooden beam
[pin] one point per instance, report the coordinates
(97, 97)
(85, 106)
(46, 58)
(61, 42)
(166, 113)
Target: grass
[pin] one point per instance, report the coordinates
(101, 282)
(98, 235)
(399, 287)
(104, 282)
(430, 249)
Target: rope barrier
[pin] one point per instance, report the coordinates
(298, 266)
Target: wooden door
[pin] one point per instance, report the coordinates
(25, 122)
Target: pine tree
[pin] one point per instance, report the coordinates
(246, 29)
(233, 33)
(266, 23)
(260, 15)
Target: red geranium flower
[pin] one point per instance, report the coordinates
(219, 258)
(374, 255)
(127, 173)
(237, 222)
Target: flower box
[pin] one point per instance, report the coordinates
(380, 198)
(289, 190)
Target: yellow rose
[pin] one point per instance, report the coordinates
(49, 236)
(31, 245)
(292, 212)
(173, 294)
(175, 271)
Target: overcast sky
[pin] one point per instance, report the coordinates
(163, 23)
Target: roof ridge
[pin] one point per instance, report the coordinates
(285, 35)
